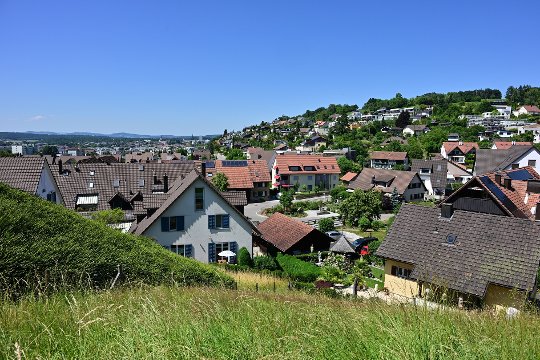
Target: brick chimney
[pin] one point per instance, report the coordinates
(508, 183)
(165, 183)
(203, 169)
(447, 210)
(60, 168)
(498, 179)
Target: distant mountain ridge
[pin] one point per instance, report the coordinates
(114, 135)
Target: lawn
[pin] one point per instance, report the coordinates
(202, 323)
(378, 274)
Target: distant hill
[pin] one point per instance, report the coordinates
(114, 135)
(44, 244)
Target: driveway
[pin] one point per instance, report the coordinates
(253, 211)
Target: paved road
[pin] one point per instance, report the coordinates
(253, 211)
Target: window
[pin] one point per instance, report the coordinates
(141, 182)
(172, 223)
(51, 196)
(310, 187)
(215, 248)
(532, 163)
(515, 166)
(183, 250)
(295, 168)
(310, 177)
(309, 168)
(218, 221)
(199, 198)
(401, 272)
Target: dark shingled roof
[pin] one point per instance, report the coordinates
(489, 249)
(236, 198)
(488, 160)
(22, 172)
(401, 179)
(438, 168)
(131, 178)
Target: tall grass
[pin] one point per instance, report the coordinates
(202, 323)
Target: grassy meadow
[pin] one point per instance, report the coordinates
(203, 323)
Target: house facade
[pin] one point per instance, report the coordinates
(457, 151)
(388, 160)
(307, 171)
(461, 257)
(515, 157)
(197, 221)
(407, 184)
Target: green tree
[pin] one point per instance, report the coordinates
(403, 119)
(346, 165)
(220, 181)
(339, 193)
(361, 204)
(244, 258)
(49, 150)
(286, 199)
(326, 224)
(235, 154)
(112, 216)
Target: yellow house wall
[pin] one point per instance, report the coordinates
(499, 297)
(397, 285)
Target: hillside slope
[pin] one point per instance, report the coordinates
(44, 244)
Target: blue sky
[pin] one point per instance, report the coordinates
(176, 67)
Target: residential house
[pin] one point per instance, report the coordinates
(136, 188)
(517, 156)
(392, 139)
(348, 177)
(197, 221)
(31, 174)
(434, 175)
(281, 148)
(201, 154)
(346, 152)
(407, 184)
(140, 157)
(504, 145)
(23, 149)
(453, 137)
(280, 233)
(309, 170)
(412, 130)
(461, 257)
(527, 110)
(457, 173)
(514, 192)
(388, 160)
(312, 144)
(458, 151)
(255, 153)
(534, 129)
(250, 176)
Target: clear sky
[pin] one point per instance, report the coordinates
(178, 67)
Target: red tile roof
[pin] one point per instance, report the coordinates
(532, 108)
(389, 155)
(349, 176)
(243, 177)
(464, 147)
(321, 164)
(284, 232)
(508, 144)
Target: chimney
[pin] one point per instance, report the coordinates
(373, 179)
(54, 159)
(165, 183)
(155, 178)
(537, 213)
(203, 169)
(447, 210)
(498, 179)
(508, 183)
(60, 168)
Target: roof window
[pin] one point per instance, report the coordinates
(451, 239)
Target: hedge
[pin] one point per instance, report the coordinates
(297, 269)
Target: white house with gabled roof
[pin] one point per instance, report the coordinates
(197, 221)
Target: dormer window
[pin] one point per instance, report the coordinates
(92, 173)
(295, 168)
(309, 168)
(91, 185)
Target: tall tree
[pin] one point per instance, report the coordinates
(361, 204)
(403, 119)
(220, 181)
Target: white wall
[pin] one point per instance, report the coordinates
(408, 194)
(196, 231)
(47, 185)
(524, 160)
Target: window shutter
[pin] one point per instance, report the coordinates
(211, 252)
(179, 223)
(394, 270)
(225, 220)
(164, 224)
(188, 250)
(211, 221)
(233, 246)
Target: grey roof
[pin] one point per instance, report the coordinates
(177, 189)
(343, 246)
(438, 168)
(489, 249)
(488, 160)
(22, 172)
(236, 198)
(108, 179)
(401, 179)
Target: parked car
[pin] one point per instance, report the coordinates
(333, 234)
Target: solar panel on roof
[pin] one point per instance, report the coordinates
(234, 163)
(522, 174)
(498, 193)
(210, 164)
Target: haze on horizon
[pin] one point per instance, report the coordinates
(173, 67)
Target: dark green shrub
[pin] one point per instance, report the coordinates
(265, 263)
(377, 225)
(326, 224)
(297, 269)
(244, 258)
(364, 223)
(45, 246)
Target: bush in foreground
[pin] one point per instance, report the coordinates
(244, 258)
(44, 246)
